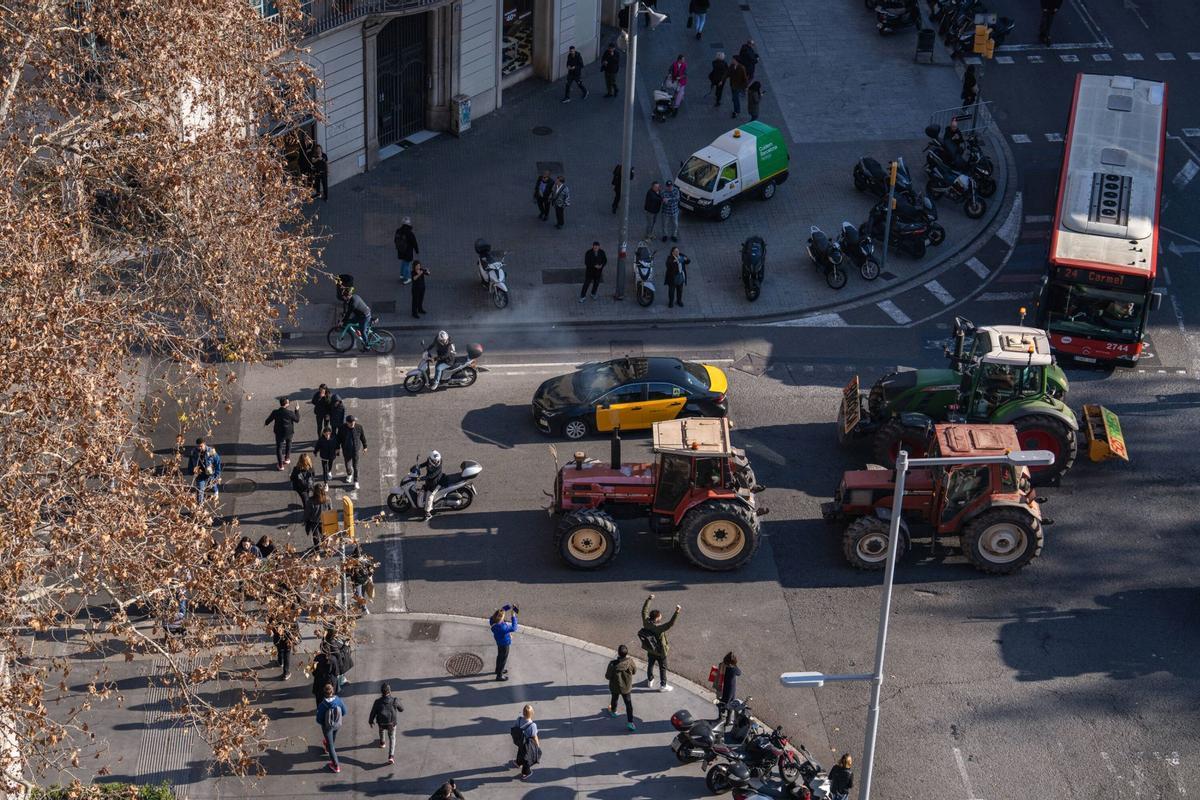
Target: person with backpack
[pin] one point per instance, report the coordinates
(727, 675)
(383, 714)
(841, 778)
(502, 631)
(447, 791)
(285, 637)
(360, 572)
(324, 671)
(529, 747)
(653, 637)
(340, 652)
(331, 711)
(302, 478)
(620, 674)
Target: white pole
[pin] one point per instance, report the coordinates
(885, 610)
(627, 188)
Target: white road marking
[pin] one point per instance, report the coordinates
(1179, 235)
(1092, 25)
(1185, 174)
(1020, 138)
(1054, 137)
(393, 554)
(1194, 56)
(939, 291)
(1004, 59)
(1069, 58)
(1165, 56)
(978, 267)
(962, 772)
(814, 321)
(1011, 227)
(1182, 250)
(972, 60)
(347, 363)
(1037, 219)
(1191, 132)
(1184, 145)
(893, 311)
(1101, 57)
(1035, 59)
(997, 297)
(352, 402)
(1133, 56)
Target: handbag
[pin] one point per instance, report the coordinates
(369, 589)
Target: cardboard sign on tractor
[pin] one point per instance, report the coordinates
(750, 159)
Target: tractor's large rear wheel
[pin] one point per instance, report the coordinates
(719, 535)
(1044, 432)
(1002, 540)
(893, 435)
(587, 539)
(865, 543)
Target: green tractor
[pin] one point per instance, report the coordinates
(997, 374)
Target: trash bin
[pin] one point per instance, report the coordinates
(925, 40)
(460, 114)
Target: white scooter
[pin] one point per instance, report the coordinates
(454, 493)
(463, 371)
(643, 272)
(491, 273)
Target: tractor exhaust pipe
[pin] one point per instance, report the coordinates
(616, 447)
(580, 456)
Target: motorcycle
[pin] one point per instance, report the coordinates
(463, 371)
(870, 176)
(754, 266)
(968, 157)
(491, 273)
(946, 181)
(826, 256)
(890, 20)
(915, 209)
(960, 37)
(762, 754)
(811, 784)
(643, 274)
(907, 238)
(860, 249)
(455, 491)
(696, 738)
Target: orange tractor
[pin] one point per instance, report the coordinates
(698, 495)
(988, 511)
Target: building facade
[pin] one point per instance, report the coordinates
(390, 70)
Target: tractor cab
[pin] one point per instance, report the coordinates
(961, 490)
(1004, 363)
(694, 459)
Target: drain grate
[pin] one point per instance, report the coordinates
(463, 664)
(239, 486)
(425, 632)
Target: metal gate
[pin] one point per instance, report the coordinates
(400, 78)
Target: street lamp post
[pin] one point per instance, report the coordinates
(627, 147)
(1020, 458)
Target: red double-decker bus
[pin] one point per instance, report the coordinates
(1098, 291)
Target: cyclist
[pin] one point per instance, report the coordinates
(357, 311)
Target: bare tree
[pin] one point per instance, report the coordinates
(146, 216)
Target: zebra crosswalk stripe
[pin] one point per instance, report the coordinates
(939, 291)
(978, 267)
(893, 311)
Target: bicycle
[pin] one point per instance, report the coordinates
(343, 337)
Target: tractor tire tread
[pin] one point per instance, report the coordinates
(856, 530)
(597, 519)
(704, 513)
(975, 528)
(1066, 435)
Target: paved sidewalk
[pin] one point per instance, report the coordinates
(456, 190)
(451, 727)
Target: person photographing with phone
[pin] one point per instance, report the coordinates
(504, 625)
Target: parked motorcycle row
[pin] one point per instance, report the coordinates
(955, 20)
(746, 758)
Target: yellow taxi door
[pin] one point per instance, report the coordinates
(664, 401)
(624, 407)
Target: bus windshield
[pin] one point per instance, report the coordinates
(1089, 311)
(699, 173)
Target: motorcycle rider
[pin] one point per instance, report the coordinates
(433, 478)
(442, 353)
(358, 311)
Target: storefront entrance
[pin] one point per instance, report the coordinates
(401, 77)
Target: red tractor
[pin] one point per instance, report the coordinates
(699, 496)
(988, 511)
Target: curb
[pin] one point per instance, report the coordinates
(561, 638)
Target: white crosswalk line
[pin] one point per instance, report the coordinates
(1165, 56)
(815, 321)
(1194, 56)
(893, 311)
(347, 363)
(1069, 58)
(1004, 59)
(978, 267)
(1191, 132)
(1035, 59)
(1020, 138)
(1133, 56)
(939, 291)
(1054, 137)
(1101, 57)
(995, 297)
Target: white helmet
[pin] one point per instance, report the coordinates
(435, 458)
(443, 337)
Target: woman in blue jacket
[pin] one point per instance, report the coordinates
(504, 625)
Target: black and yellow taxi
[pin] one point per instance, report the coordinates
(629, 393)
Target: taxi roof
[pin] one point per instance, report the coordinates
(1017, 346)
(693, 436)
(955, 440)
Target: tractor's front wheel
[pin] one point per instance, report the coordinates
(1044, 432)
(588, 539)
(865, 543)
(719, 535)
(1002, 540)
(893, 435)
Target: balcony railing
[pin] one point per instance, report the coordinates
(326, 15)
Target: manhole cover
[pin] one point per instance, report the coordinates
(239, 486)
(425, 631)
(463, 664)
(542, 130)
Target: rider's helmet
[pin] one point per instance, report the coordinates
(443, 338)
(435, 458)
